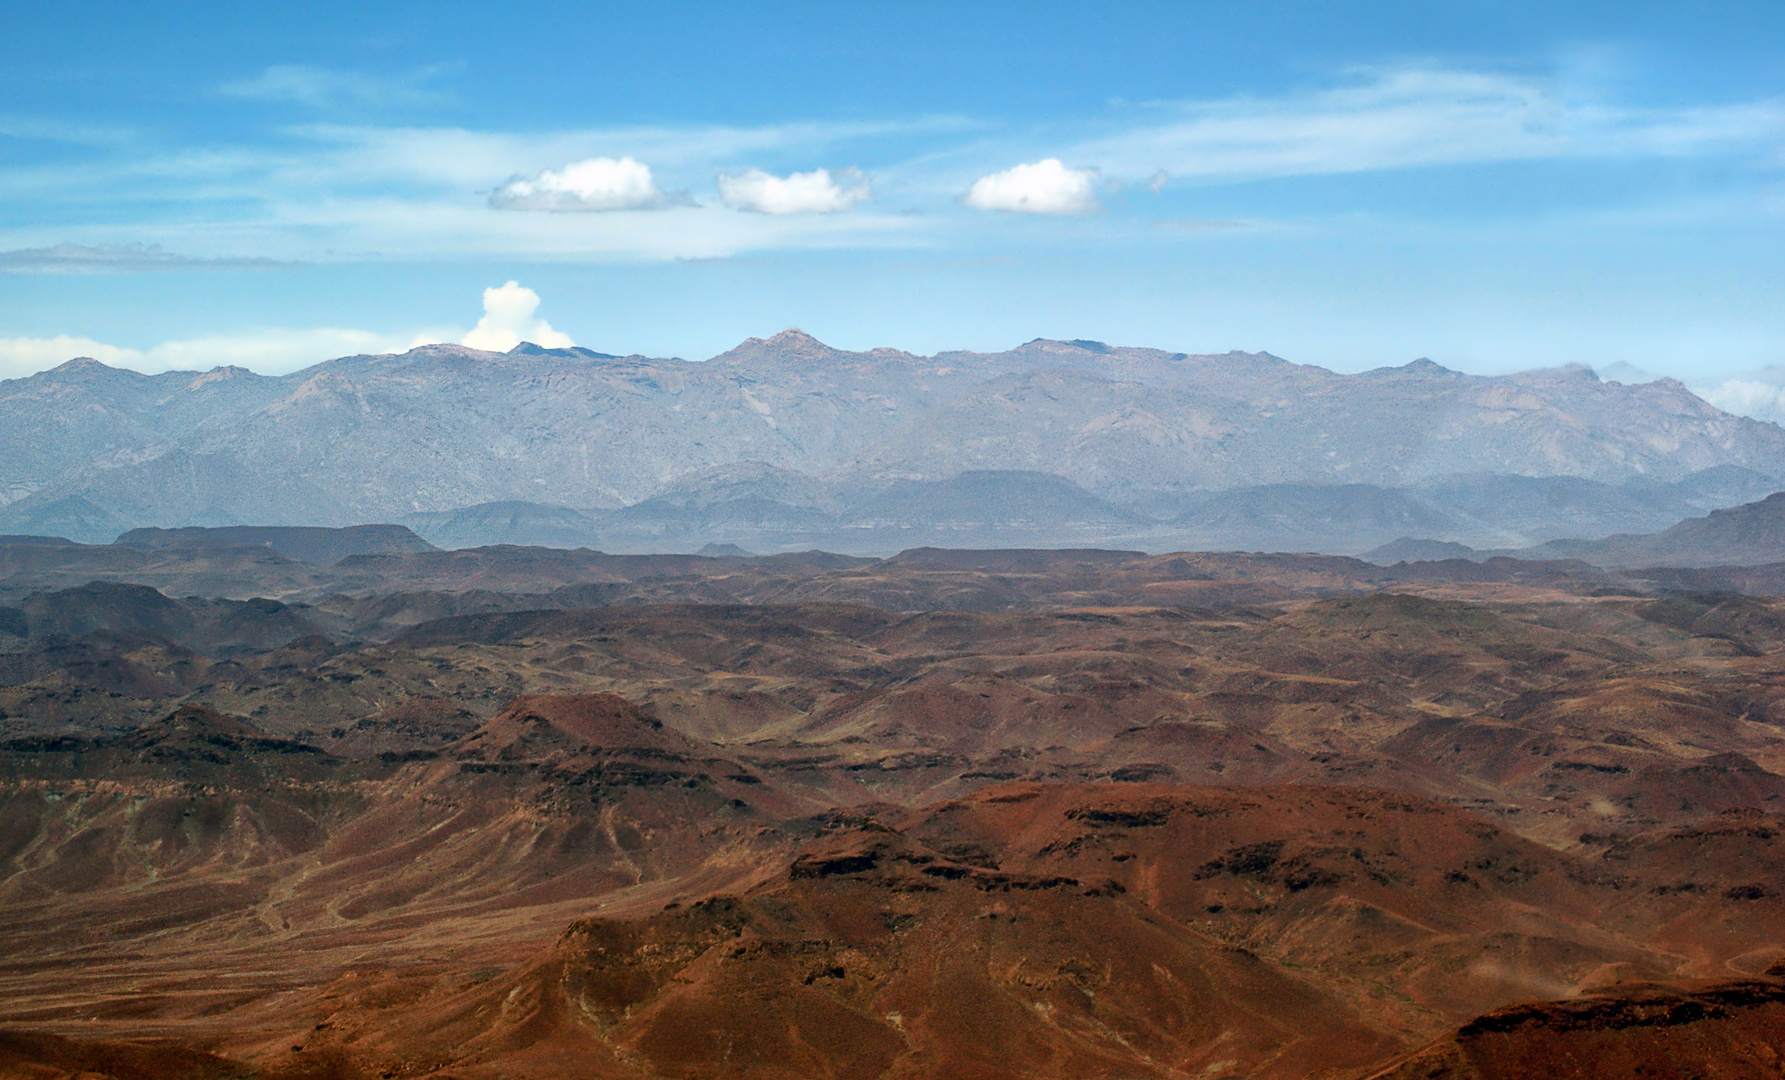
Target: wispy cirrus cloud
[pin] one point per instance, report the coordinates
(1413, 117)
(115, 258)
(430, 228)
(355, 192)
(473, 159)
(57, 130)
(380, 191)
(328, 88)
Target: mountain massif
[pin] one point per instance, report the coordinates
(785, 443)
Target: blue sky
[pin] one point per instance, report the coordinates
(1495, 186)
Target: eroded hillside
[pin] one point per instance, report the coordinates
(1064, 813)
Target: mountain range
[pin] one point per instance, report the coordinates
(785, 443)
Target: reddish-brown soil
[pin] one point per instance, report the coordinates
(1439, 831)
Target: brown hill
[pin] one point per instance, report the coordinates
(1565, 715)
(215, 627)
(877, 956)
(1752, 534)
(318, 546)
(1065, 930)
(1730, 1029)
(219, 841)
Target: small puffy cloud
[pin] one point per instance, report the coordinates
(815, 192)
(598, 183)
(1039, 187)
(508, 320)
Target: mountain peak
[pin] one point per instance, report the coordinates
(528, 348)
(84, 368)
(1422, 367)
(792, 344)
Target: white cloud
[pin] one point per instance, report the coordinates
(459, 157)
(275, 352)
(270, 352)
(345, 192)
(1759, 394)
(23, 356)
(815, 192)
(598, 183)
(1040, 187)
(385, 227)
(508, 320)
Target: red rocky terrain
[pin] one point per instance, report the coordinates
(972, 814)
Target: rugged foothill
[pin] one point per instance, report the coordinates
(523, 813)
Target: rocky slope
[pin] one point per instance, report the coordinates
(1139, 816)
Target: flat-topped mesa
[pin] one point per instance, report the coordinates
(312, 544)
